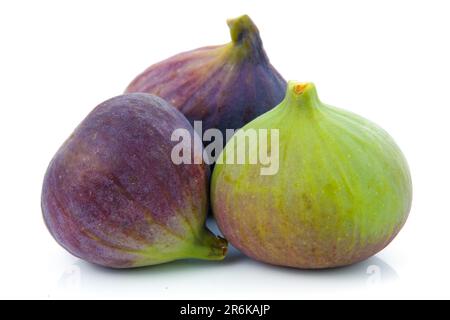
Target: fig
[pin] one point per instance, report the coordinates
(341, 193)
(223, 86)
(113, 197)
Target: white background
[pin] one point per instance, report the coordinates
(386, 60)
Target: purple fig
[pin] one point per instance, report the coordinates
(112, 195)
(224, 86)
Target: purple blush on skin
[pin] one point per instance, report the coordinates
(223, 86)
(112, 195)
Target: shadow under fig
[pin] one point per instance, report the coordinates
(373, 267)
(84, 275)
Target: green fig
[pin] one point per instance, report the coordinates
(341, 194)
(224, 86)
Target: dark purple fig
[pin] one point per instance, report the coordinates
(224, 86)
(112, 195)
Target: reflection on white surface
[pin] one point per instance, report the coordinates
(235, 277)
(70, 280)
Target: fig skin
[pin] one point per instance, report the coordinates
(113, 197)
(224, 86)
(342, 192)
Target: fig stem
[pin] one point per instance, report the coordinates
(303, 95)
(245, 37)
(241, 27)
(205, 246)
(209, 247)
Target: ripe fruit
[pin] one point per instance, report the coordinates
(342, 192)
(112, 195)
(225, 86)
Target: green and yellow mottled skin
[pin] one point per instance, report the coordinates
(342, 193)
